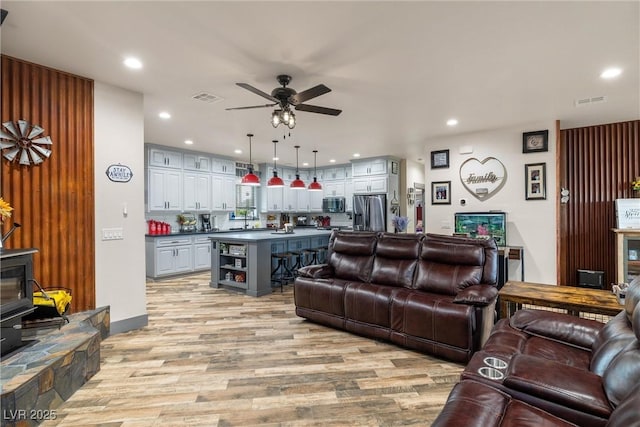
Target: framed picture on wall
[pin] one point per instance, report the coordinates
(439, 159)
(533, 142)
(441, 193)
(535, 181)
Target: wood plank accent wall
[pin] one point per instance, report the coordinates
(598, 164)
(54, 201)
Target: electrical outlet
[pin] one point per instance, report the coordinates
(112, 233)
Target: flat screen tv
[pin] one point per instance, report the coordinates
(483, 225)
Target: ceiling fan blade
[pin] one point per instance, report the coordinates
(308, 94)
(316, 109)
(257, 91)
(253, 106)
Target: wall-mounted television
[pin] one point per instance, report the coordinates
(482, 225)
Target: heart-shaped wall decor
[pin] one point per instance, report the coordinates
(483, 178)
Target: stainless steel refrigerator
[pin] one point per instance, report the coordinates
(370, 212)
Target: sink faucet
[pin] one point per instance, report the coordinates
(246, 226)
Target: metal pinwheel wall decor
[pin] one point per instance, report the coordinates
(21, 140)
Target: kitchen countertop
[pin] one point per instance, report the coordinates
(199, 233)
(260, 235)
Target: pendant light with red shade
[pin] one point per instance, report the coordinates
(315, 185)
(250, 178)
(297, 184)
(275, 181)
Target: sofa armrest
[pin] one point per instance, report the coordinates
(558, 383)
(478, 295)
(570, 330)
(317, 271)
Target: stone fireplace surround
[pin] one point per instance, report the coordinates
(41, 376)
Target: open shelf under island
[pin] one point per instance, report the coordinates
(242, 260)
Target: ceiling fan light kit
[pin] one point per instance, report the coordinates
(315, 185)
(275, 181)
(285, 97)
(250, 178)
(297, 184)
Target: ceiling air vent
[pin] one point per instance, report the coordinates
(206, 97)
(593, 100)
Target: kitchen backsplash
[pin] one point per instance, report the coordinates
(221, 220)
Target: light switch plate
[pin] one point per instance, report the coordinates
(112, 233)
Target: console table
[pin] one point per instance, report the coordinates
(574, 300)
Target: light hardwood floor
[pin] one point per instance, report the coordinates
(212, 357)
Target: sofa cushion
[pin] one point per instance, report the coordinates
(445, 268)
(325, 295)
(613, 337)
(432, 317)
(351, 255)
(396, 259)
(473, 404)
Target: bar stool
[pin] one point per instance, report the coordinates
(309, 253)
(322, 255)
(282, 273)
(297, 256)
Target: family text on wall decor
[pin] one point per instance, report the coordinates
(483, 178)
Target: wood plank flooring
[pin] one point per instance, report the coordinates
(212, 357)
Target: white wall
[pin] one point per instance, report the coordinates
(120, 264)
(530, 223)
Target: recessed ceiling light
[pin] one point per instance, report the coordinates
(164, 115)
(305, 163)
(452, 122)
(356, 154)
(132, 62)
(332, 161)
(610, 73)
(188, 142)
(275, 159)
(237, 151)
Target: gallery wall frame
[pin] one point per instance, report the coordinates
(441, 193)
(535, 179)
(534, 142)
(440, 159)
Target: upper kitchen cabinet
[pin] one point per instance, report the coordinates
(164, 189)
(197, 162)
(165, 158)
(368, 167)
(223, 192)
(197, 191)
(224, 166)
(333, 174)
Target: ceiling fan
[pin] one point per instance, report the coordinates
(285, 97)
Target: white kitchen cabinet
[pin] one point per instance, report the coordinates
(315, 201)
(170, 255)
(370, 167)
(164, 189)
(223, 166)
(375, 184)
(223, 193)
(196, 191)
(348, 195)
(274, 198)
(201, 253)
(196, 162)
(333, 174)
(333, 188)
(165, 158)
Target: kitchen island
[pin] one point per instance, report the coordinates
(242, 260)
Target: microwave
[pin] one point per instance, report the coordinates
(333, 204)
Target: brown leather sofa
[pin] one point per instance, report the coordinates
(580, 371)
(434, 294)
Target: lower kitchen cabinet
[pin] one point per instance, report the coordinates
(171, 255)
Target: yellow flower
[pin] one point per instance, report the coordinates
(5, 210)
(635, 185)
